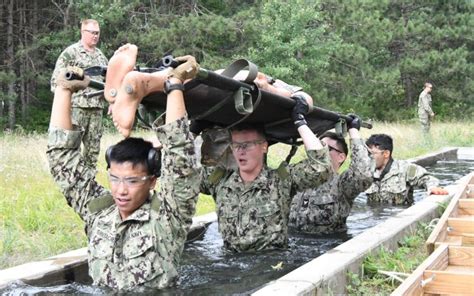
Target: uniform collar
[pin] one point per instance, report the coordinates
(140, 214)
(261, 179)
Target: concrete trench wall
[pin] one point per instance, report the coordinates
(324, 275)
(72, 266)
(327, 274)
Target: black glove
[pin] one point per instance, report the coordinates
(355, 122)
(197, 126)
(299, 110)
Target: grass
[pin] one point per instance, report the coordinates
(36, 222)
(410, 253)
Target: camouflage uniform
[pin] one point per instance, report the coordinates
(86, 112)
(254, 217)
(424, 111)
(145, 249)
(396, 187)
(326, 208)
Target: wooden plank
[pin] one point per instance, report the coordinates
(467, 240)
(460, 226)
(461, 256)
(470, 191)
(412, 285)
(445, 282)
(466, 206)
(439, 232)
(466, 203)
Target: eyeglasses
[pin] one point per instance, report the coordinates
(245, 145)
(335, 149)
(95, 33)
(376, 151)
(128, 181)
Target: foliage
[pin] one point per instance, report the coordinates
(363, 56)
(410, 253)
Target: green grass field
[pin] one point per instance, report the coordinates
(36, 222)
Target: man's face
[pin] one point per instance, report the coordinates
(335, 153)
(429, 87)
(90, 34)
(380, 157)
(249, 150)
(130, 186)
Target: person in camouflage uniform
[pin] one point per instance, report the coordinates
(253, 201)
(325, 209)
(394, 180)
(425, 113)
(135, 235)
(86, 112)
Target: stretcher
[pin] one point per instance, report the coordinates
(224, 101)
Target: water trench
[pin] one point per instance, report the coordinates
(207, 269)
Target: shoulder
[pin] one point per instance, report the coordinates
(72, 49)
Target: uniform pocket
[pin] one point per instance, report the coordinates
(137, 247)
(267, 209)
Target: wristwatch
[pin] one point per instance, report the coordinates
(169, 87)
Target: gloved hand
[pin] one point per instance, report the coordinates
(197, 126)
(186, 70)
(356, 121)
(73, 85)
(439, 191)
(299, 110)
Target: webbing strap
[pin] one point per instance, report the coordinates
(214, 108)
(238, 65)
(257, 102)
(242, 97)
(282, 171)
(243, 101)
(291, 153)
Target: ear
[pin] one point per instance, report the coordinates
(265, 147)
(153, 182)
(341, 157)
(386, 154)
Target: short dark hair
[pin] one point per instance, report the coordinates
(341, 142)
(249, 127)
(382, 141)
(134, 150)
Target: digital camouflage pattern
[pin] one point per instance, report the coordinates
(90, 120)
(77, 55)
(145, 249)
(325, 209)
(86, 112)
(424, 111)
(254, 217)
(396, 187)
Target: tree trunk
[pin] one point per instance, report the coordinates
(10, 62)
(405, 79)
(22, 70)
(2, 102)
(408, 87)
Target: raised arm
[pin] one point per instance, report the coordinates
(358, 176)
(61, 110)
(311, 142)
(74, 178)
